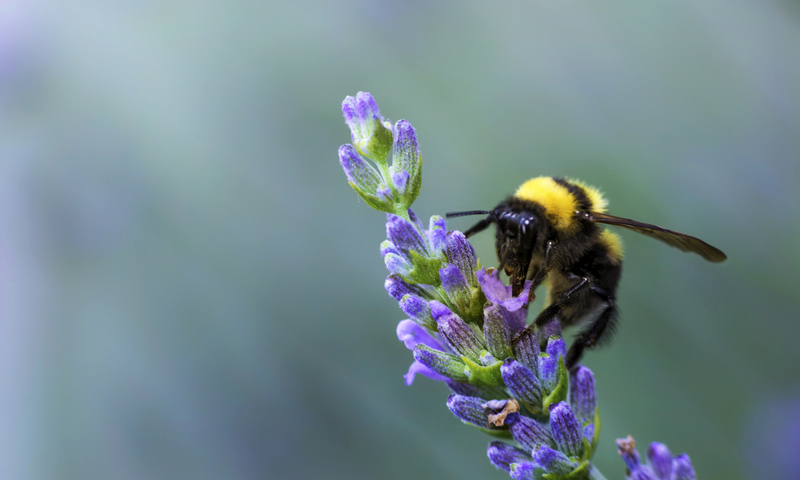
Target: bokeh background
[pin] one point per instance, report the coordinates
(190, 289)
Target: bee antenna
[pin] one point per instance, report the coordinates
(464, 214)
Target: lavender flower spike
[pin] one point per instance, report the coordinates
(369, 134)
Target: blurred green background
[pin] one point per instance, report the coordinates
(190, 289)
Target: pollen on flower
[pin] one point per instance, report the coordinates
(498, 419)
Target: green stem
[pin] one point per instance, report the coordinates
(594, 474)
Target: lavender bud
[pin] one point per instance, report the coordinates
(526, 471)
(660, 460)
(496, 332)
(475, 391)
(530, 433)
(399, 288)
(556, 347)
(398, 265)
(400, 181)
(460, 253)
(682, 468)
(418, 309)
(412, 335)
(437, 235)
(468, 410)
(460, 336)
(367, 130)
(553, 461)
(522, 383)
(503, 455)
(527, 350)
(456, 286)
(487, 359)
(548, 372)
(384, 193)
(440, 362)
(388, 247)
(566, 430)
(359, 173)
(582, 394)
(405, 236)
(405, 153)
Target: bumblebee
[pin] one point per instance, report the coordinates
(549, 231)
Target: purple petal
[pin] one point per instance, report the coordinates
(492, 286)
(411, 334)
(417, 367)
(556, 347)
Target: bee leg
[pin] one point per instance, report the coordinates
(541, 273)
(549, 314)
(597, 331)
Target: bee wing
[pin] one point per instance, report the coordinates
(686, 243)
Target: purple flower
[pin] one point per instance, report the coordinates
(412, 335)
(405, 155)
(497, 293)
(566, 430)
(503, 455)
(682, 468)
(456, 286)
(359, 172)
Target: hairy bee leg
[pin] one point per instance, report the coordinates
(538, 278)
(549, 314)
(593, 334)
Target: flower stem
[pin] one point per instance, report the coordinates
(594, 473)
